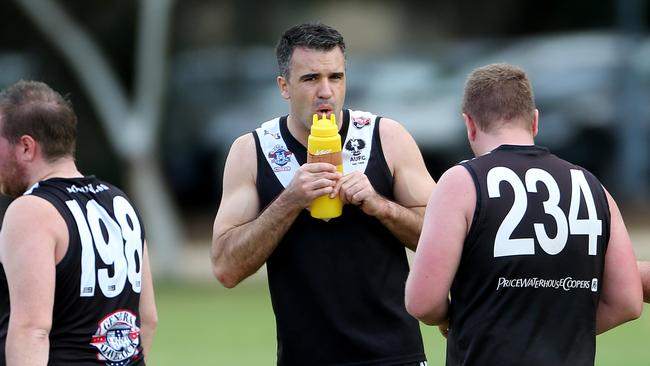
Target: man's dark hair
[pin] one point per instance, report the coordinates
(33, 108)
(316, 36)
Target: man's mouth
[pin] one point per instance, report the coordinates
(324, 111)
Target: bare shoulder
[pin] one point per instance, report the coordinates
(243, 146)
(397, 143)
(391, 128)
(395, 138)
(242, 158)
(29, 209)
(456, 187)
(31, 220)
(456, 177)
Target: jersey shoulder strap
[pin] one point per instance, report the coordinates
(358, 142)
(275, 151)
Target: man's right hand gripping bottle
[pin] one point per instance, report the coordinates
(324, 145)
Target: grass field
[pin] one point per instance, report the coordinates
(204, 324)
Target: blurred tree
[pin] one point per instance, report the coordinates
(132, 125)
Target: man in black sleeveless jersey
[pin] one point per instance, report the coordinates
(75, 284)
(525, 255)
(336, 287)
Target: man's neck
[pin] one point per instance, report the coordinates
(490, 141)
(61, 168)
(298, 129)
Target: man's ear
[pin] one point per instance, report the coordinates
(470, 124)
(26, 148)
(283, 85)
(535, 123)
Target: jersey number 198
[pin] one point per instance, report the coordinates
(119, 244)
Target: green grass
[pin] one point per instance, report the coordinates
(205, 324)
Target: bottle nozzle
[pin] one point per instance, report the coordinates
(324, 126)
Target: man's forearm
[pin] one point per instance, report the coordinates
(245, 248)
(404, 223)
(146, 336)
(27, 347)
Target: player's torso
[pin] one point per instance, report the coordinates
(530, 274)
(98, 281)
(328, 279)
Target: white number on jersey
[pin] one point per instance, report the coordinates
(118, 244)
(504, 245)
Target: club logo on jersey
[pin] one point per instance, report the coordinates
(280, 156)
(275, 135)
(355, 146)
(117, 338)
(360, 122)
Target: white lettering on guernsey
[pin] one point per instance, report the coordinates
(116, 241)
(505, 245)
(565, 284)
(88, 188)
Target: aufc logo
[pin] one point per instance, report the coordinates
(280, 156)
(117, 338)
(355, 146)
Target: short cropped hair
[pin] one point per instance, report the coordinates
(316, 36)
(497, 94)
(33, 108)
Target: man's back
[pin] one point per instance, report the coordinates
(532, 248)
(98, 281)
(529, 280)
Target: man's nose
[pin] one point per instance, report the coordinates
(324, 89)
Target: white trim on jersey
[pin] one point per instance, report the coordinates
(281, 160)
(355, 150)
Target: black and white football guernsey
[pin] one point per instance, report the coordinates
(337, 287)
(96, 319)
(530, 275)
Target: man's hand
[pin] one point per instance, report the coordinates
(312, 180)
(355, 189)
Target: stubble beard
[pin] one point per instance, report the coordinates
(14, 182)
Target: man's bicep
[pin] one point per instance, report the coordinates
(446, 225)
(440, 246)
(28, 257)
(412, 184)
(620, 278)
(239, 201)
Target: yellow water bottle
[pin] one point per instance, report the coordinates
(324, 145)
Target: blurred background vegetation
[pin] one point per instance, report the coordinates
(163, 87)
